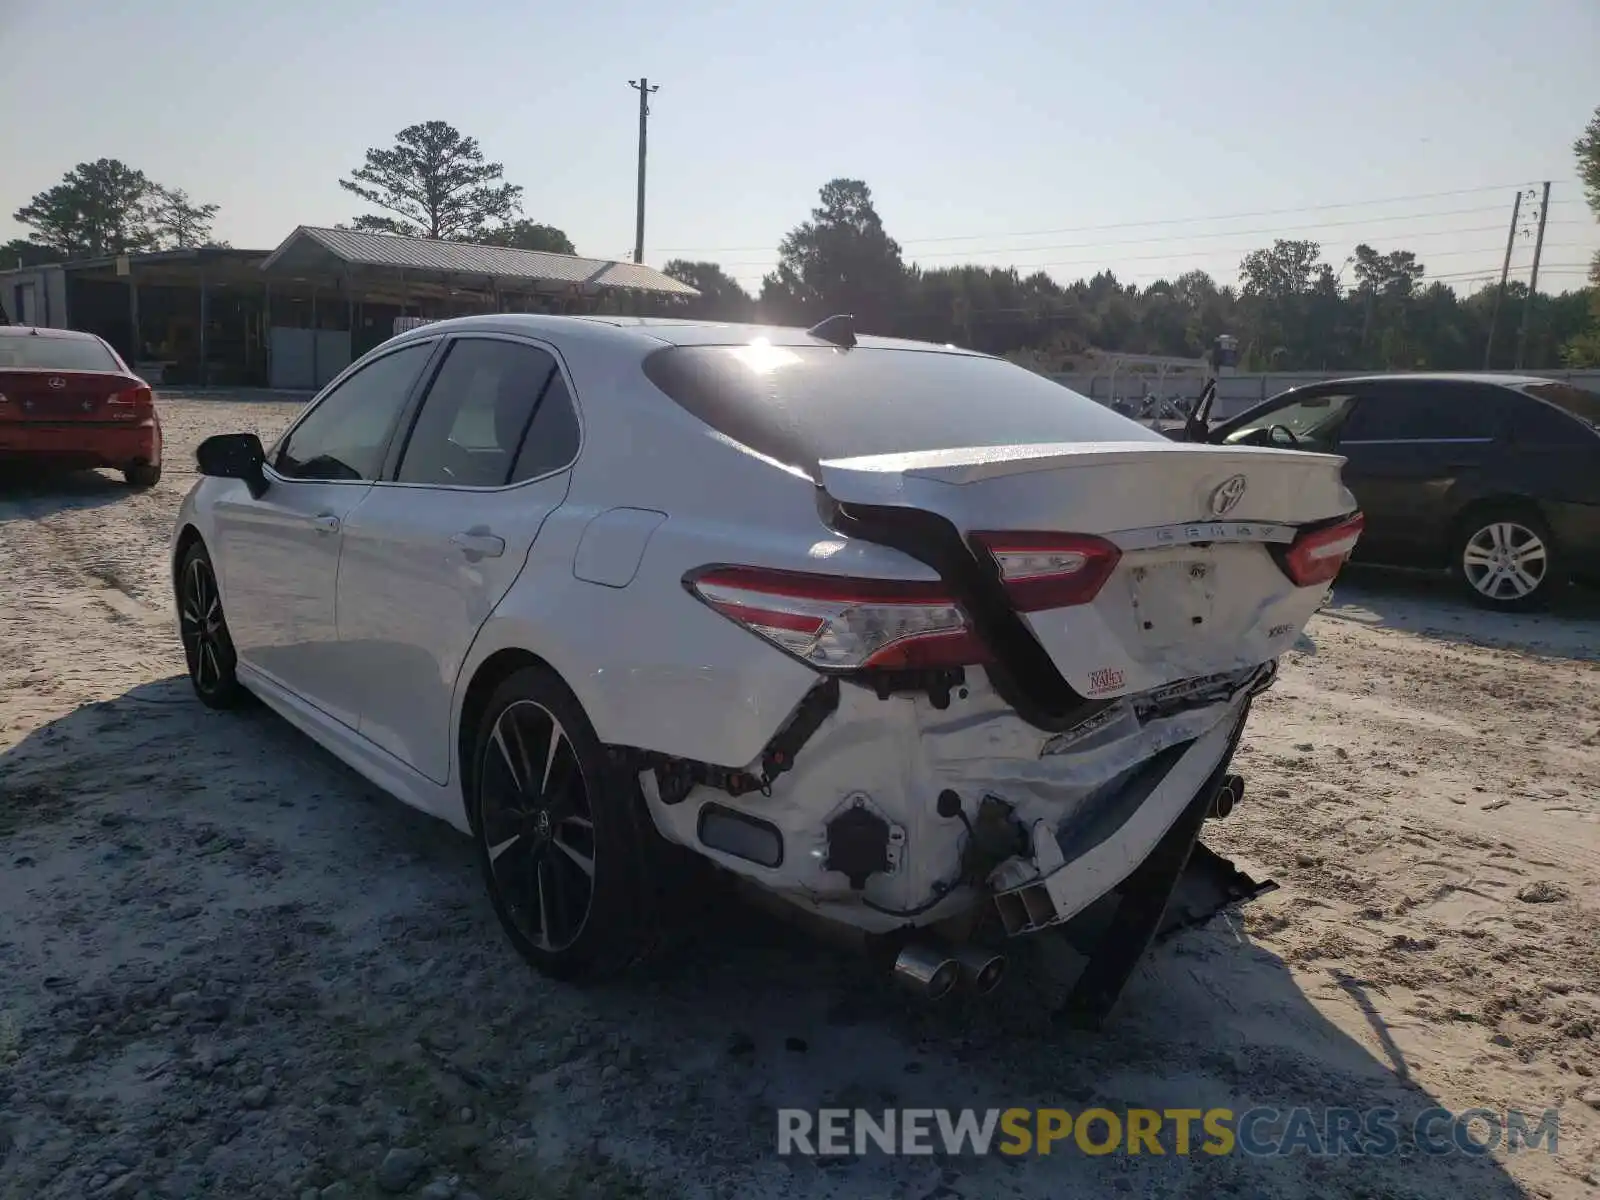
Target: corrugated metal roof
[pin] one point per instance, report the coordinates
(463, 258)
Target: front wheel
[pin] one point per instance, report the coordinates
(565, 842)
(1506, 559)
(207, 645)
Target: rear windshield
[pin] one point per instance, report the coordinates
(44, 353)
(803, 405)
(1581, 403)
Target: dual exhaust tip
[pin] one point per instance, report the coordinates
(932, 971)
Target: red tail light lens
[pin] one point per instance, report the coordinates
(835, 623)
(135, 397)
(1317, 556)
(1050, 570)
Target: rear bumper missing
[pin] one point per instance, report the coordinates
(874, 825)
(1076, 862)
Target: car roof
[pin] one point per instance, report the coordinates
(34, 331)
(1475, 377)
(660, 331)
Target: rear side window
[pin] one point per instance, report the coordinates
(1424, 414)
(802, 405)
(1574, 401)
(552, 439)
(498, 412)
(45, 353)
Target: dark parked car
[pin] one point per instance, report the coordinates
(1496, 477)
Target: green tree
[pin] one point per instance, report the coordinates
(20, 252)
(528, 235)
(1276, 291)
(177, 221)
(721, 297)
(1583, 350)
(435, 183)
(840, 261)
(97, 208)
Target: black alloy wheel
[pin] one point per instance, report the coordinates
(207, 645)
(571, 858)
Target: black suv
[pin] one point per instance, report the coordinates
(1495, 476)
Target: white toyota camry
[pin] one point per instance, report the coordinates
(930, 647)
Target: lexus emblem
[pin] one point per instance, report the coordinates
(57, 382)
(1227, 495)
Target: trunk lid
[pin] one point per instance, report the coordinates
(1197, 589)
(43, 395)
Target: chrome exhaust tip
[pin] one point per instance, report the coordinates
(981, 970)
(926, 970)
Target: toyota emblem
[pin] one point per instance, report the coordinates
(1227, 495)
(57, 382)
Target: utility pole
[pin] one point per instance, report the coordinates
(642, 86)
(1505, 269)
(1533, 277)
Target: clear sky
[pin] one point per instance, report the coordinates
(1053, 133)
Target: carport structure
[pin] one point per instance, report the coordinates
(333, 294)
(295, 316)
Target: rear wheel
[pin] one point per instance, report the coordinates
(207, 646)
(142, 475)
(566, 845)
(1506, 559)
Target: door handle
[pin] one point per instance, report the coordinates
(325, 523)
(484, 545)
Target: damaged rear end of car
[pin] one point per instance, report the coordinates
(1026, 729)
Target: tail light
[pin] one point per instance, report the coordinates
(132, 398)
(1050, 570)
(837, 623)
(1317, 555)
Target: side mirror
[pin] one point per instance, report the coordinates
(234, 456)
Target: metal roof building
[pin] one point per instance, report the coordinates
(295, 316)
(374, 256)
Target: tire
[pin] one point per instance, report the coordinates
(1505, 558)
(207, 645)
(142, 475)
(577, 837)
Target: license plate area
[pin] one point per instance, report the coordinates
(1172, 601)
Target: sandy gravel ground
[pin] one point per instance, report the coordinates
(229, 968)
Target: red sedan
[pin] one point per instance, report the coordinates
(68, 401)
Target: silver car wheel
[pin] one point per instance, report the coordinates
(1505, 561)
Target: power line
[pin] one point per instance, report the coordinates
(1267, 212)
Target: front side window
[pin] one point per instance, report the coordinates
(1311, 422)
(496, 414)
(347, 434)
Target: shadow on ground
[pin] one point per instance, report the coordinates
(188, 887)
(1432, 606)
(29, 492)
